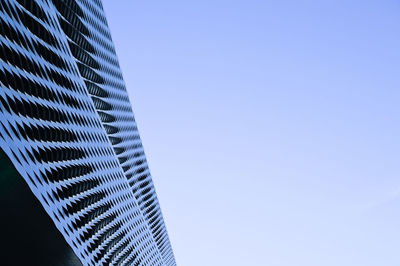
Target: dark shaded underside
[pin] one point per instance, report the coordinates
(28, 235)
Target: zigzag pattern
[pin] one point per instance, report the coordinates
(67, 125)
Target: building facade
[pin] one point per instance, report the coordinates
(67, 127)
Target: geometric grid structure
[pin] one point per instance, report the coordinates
(85, 20)
(67, 125)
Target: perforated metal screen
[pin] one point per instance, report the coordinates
(67, 125)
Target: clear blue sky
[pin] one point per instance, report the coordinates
(271, 127)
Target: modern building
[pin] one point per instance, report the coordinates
(67, 129)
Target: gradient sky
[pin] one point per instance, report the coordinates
(271, 127)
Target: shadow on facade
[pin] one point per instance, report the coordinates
(28, 235)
